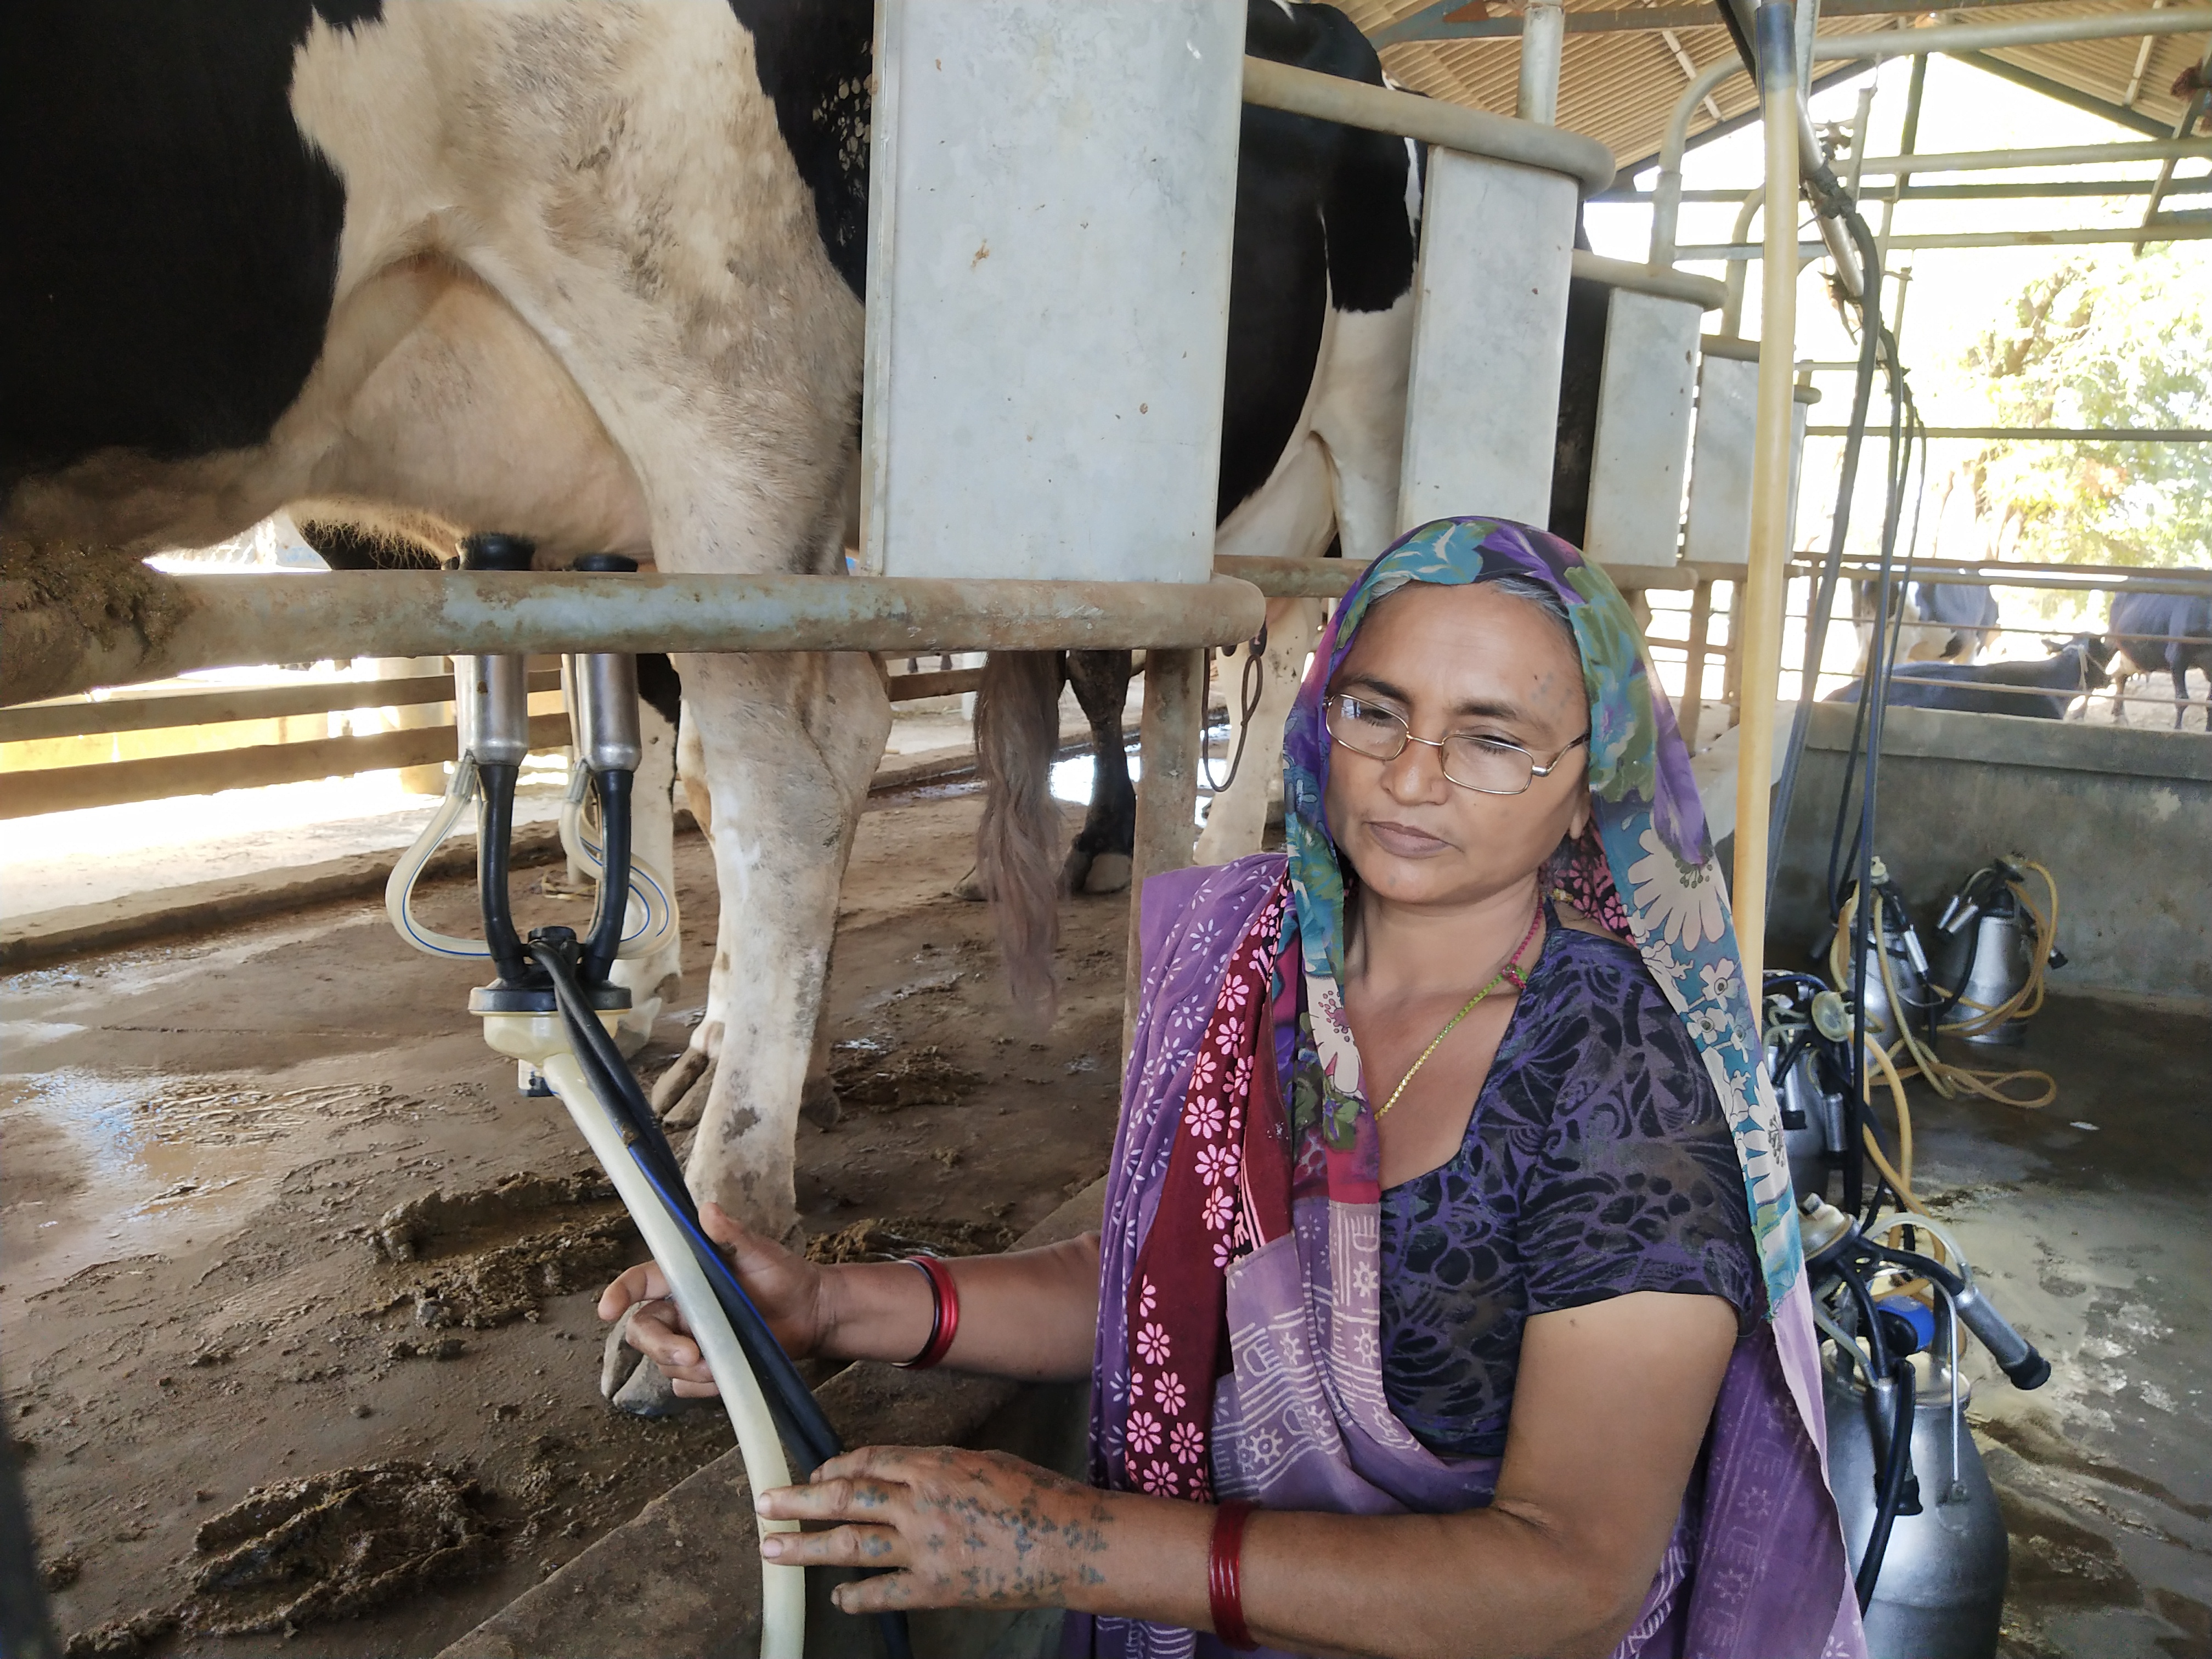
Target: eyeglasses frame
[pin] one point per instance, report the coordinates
(1536, 768)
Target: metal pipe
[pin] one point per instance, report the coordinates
(1667, 196)
(2126, 434)
(1472, 131)
(2029, 190)
(1701, 291)
(2055, 156)
(1766, 584)
(1860, 124)
(1429, 24)
(1981, 37)
(1732, 310)
(1543, 36)
(1167, 796)
(2177, 230)
(222, 622)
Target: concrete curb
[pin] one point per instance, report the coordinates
(47, 937)
(681, 1579)
(76, 930)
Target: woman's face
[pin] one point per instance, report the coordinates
(1457, 660)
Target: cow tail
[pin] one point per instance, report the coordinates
(1018, 854)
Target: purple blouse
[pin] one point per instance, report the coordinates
(1596, 1162)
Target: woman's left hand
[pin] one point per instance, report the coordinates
(952, 1528)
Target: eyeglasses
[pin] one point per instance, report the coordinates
(1489, 766)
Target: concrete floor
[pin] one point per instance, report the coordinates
(2086, 1221)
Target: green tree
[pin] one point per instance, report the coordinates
(2109, 341)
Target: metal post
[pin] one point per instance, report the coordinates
(1693, 669)
(1761, 611)
(1543, 38)
(1167, 795)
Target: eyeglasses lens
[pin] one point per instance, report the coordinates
(1494, 768)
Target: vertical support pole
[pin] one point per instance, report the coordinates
(1693, 669)
(1732, 654)
(1759, 610)
(1543, 38)
(1167, 795)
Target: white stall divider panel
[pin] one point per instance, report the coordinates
(1643, 443)
(1490, 322)
(1053, 193)
(1720, 463)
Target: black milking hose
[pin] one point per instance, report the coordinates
(494, 829)
(1895, 1467)
(604, 940)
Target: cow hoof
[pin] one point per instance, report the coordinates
(649, 1393)
(819, 1105)
(969, 887)
(680, 1096)
(630, 1382)
(633, 1029)
(1108, 873)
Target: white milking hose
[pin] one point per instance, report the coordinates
(399, 889)
(783, 1588)
(648, 887)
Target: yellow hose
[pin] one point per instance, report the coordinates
(1946, 1079)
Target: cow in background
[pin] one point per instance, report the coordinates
(1944, 622)
(2039, 691)
(2162, 632)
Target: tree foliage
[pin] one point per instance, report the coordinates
(2111, 341)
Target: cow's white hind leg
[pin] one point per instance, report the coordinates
(653, 980)
(1239, 817)
(791, 743)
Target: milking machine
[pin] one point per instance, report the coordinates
(552, 1007)
(1920, 1518)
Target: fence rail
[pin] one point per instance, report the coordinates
(252, 766)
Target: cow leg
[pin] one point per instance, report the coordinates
(2178, 664)
(1237, 820)
(790, 742)
(653, 980)
(1099, 861)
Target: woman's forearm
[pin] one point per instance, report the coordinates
(1493, 1582)
(1030, 1314)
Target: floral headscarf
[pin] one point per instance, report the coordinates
(1645, 866)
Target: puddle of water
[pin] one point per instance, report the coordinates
(141, 1165)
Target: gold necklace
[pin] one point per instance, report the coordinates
(1510, 973)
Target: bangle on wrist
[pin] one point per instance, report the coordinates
(944, 1314)
(1224, 1585)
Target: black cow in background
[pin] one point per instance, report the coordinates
(2162, 632)
(2040, 690)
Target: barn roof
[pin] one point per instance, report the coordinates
(1619, 85)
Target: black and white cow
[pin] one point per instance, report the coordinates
(591, 275)
(1944, 622)
(2169, 633)
(2039, 691)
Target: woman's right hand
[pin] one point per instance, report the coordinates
(790, 1292)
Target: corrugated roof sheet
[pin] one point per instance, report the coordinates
(1620, 87)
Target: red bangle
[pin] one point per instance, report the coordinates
(944, 1314)
(1225, 1587)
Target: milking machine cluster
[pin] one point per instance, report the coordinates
(552, 1005)
(1892, 1287)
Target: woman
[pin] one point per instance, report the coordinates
(1445, 1223)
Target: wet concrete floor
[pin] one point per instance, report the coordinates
(2086, 1222)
